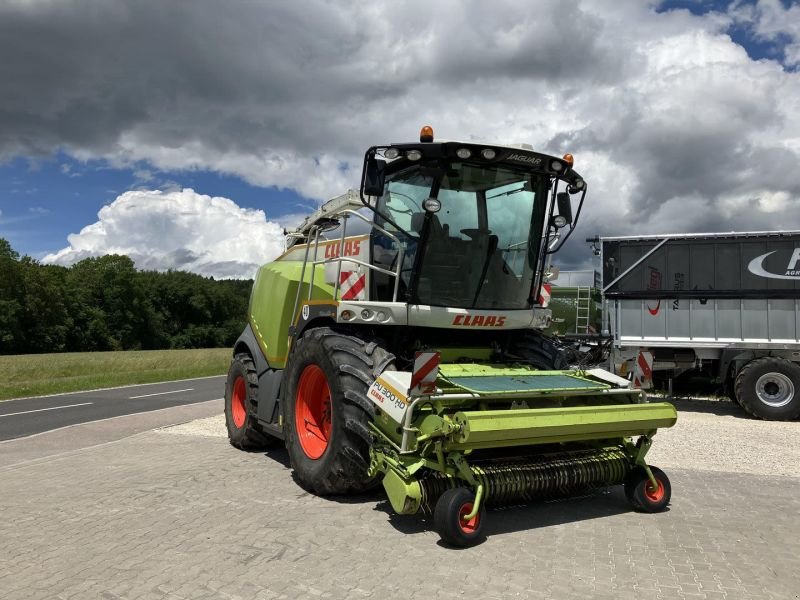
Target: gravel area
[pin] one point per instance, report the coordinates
(717, 436)
(709, 436)
(210, 427)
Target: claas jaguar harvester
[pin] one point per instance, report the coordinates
(397, 342)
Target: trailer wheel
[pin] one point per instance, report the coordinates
(731, 392)
(326, 413)
(241, 402)
(539, 351)
(642, 495)
(449, 522)
(769, 388)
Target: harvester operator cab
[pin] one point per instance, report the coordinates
(471, 223)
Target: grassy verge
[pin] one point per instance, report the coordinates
(38, 374)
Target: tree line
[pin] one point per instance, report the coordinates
(105, 303)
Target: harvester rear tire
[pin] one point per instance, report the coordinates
(448, 520)
(327, 377)
(769, 388)
(241, 406)
(539, 351)
(641, 494)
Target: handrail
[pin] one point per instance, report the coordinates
(315, 234)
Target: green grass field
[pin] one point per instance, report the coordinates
(38, 374)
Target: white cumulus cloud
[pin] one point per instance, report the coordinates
(178, 230)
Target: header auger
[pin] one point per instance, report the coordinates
(397, 341)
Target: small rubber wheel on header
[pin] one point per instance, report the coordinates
(449, 518)
(641, 493)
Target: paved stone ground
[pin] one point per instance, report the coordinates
(187, 516)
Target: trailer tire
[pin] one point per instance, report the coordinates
(327, 377)
(769, 388)
(731, 392)
(448, 518)
(241, 406)
(539, 351)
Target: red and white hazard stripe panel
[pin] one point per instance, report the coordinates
(352, 285)
(643, 371)
(544, 295)
(426, 370)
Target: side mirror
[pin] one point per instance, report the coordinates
(374, 177)
(564, 206)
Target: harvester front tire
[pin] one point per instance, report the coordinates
(326, 413)
(641, 493)
(769, 388)
(540, 352)
(241, 404)
(449, 522)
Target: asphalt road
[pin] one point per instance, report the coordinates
(20, 418)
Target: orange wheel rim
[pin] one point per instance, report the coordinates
(468, 526)
(312, 416)
(238, 407)
(654, 494)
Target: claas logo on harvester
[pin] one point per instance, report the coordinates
(351, 248)
(479, 320)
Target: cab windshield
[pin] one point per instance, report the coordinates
(479, 250)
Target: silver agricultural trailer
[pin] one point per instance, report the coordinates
(727, 304)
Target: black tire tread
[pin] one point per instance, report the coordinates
(358, 362)
(747, 399)
(634, 487)
(253, 437)
(445, 518)
(539, 351)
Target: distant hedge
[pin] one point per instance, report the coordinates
(106, 304)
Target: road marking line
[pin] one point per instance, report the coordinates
(116, 387)
(25, 412)
(161, 393)
(76, 425)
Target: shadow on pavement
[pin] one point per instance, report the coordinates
(536, 515)
(714, 407)
(277, 454)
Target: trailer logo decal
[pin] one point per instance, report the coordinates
(756, 266)
(479, 321)
(654, 284)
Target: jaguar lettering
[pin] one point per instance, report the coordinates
(531, 160)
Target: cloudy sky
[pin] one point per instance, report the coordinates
(185, 134)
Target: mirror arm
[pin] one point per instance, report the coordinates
(573, 224)
(370, 153)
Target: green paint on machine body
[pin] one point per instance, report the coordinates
(512, 433)
(270, 314)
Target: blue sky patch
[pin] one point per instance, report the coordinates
(42, 201)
